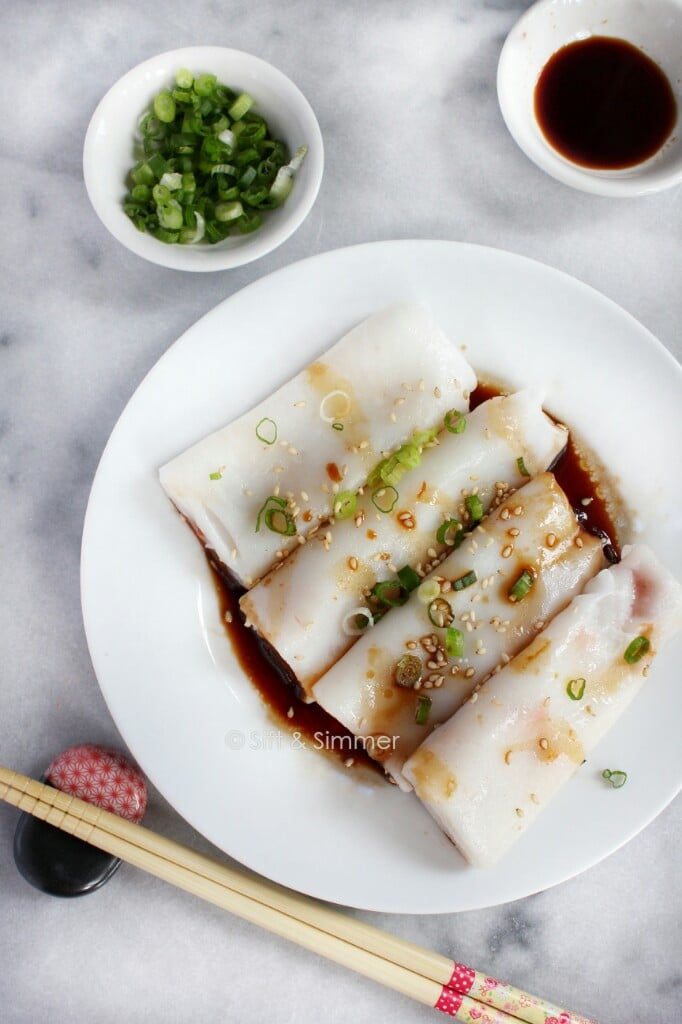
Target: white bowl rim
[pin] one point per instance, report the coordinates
(215, 258)
(641, 180)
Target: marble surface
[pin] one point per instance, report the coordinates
(415, 146)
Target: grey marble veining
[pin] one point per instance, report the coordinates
(415, 147)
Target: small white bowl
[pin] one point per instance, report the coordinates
(109, 153)
(655, 26)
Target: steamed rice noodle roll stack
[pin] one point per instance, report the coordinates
(483, 604)
(254, 488)
(412, 512)
(489, 771)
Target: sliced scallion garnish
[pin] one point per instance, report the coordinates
(615, 779)
(345, 504)
(266, 430)
(464, 581)
(522, 587)
(216, 475)
(440, 613)
(450, 533)
(385, 498)
(522, 466)
(575, 688)
(423, 709)
(454, 642)
(428, 591)
(357, 621)
(474, 507)
(337, 426)
(276, 516)
(636, 649)
(455, 422)
(390, 593)
(408, 671)
(409, 578)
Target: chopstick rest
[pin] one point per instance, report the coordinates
(58, 863)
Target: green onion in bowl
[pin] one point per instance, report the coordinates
(209, 164)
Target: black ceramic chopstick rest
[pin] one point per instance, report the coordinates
(58, 863)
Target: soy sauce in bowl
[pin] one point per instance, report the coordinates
(604, 104)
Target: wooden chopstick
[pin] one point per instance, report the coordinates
(407, 968)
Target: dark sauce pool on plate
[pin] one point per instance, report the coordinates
(604, 104)
(276, 685)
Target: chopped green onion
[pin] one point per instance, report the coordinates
(408, 456)
(357, 621)
(267, 435)
(576, 689)
(337, 426)
(164, 107)
(277, 517)
(522, 466)
(428, 591)
(423, 709)
(409, 578)
(522, 587)
(385, 498)
(616, 779)
(455, 422)
(215, 476)
(390, 593)
(225, 212)
(464, 581)
(241, 105)
(184, 79)
(450, 532)
(474, 507)
(454, 642)
(203, 142)
(408, 671)
(280, 521)
(636, 650)
(440, 613)
(345, 505)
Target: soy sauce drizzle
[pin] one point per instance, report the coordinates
(277, 685)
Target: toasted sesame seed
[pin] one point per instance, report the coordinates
(352, 563)
(540, 624)
(234, 552)
(546, 701)
(505, 657)
(393, 418)
(471, 671)
(543, 744)
(534, 798)
(436, 392)
(299, 405)
(278, 469)
(349, 762)
(505, 513)
(507, 550)
(514, 532)
(519, 812)
(438, 682)
(363, 445)
(590, 710)
(586, 501)
(421, 385)
(405, 386)
(518, 511)
(411, 645)
(324, 488)
(228, 616)
(550, 540)
(304, 496)
(293, 451)
(290, 713)
(474, 697)
(301, 540)
(578, 542)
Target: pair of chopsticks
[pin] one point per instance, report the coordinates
(429, 978)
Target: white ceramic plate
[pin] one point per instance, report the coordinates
(165, 665)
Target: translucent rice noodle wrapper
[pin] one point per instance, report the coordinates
(533, 532)
(392, 375)
(487, 773)
(304, 608)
